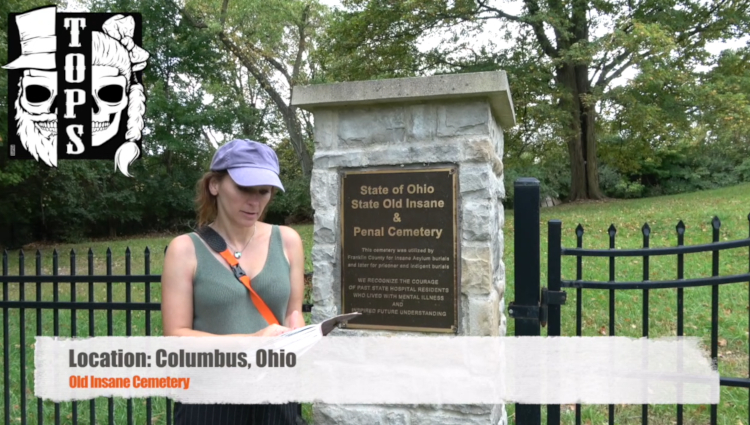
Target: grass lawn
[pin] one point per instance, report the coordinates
(732, 205)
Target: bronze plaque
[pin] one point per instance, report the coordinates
(399, 249)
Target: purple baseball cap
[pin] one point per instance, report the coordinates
(249, 163)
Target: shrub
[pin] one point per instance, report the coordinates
(553, 176)
(293, 205)
(616, 185)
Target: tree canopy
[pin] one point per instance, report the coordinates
(563, 57)
(223, 69)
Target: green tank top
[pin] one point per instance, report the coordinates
(222, 305)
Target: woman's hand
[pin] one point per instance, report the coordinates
(295, 320)
(272, 330)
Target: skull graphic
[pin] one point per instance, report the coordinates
(116, 60)
(38, 93)
(36, 118)
(39, 90)
(109, 100)
(35, 114)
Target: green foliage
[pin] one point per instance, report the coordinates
(553, 176)
(268, 46)
(676, 129)
(725, 95)
(663, 42)
(743, 170)
(698, 167)
(678, 169)
(292, 205)
(390, 53)
(615, 185)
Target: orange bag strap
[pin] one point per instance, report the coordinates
(217, 243)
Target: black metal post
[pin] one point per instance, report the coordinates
(73, 320)
(680, 306)
(147, 266)
(6, 345)
(612, 234)
(716, 224)
(129, 327)
(646, 230)
(56, 313)
(554, 283)
(579, 299)
(110, 401)
(22, 326)
(527, 273)
(92, 402)
(38, 264)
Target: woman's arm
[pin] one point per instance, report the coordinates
(177, 292)
(295, 253)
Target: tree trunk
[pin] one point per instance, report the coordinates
(112, 228)
(298, 141)
(569, 103)
(168, 159)
(588, 131)
(41, 209)
(581, 134)
(588, 119)
(576, 101)
(167, 146)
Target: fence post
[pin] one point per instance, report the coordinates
(527, 274)
(554, 283)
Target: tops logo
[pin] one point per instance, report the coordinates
(75, 83)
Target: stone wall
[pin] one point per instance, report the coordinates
(459, 131)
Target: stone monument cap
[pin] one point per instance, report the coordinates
(492, 85)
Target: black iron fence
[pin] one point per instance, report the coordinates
(716, 247)
(104, 303)
(48, 303)
(534, 307)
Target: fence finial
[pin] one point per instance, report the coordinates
(579, 230)
(716, 223)
(680, 228)
(646, 229)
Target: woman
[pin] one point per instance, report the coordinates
(202, 297)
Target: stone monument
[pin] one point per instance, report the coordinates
(407, 185)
